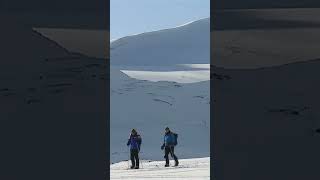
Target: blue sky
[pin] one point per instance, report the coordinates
(130, 17)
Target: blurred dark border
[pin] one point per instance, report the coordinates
(262, 4)
(21, 160)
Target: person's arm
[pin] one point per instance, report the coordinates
(128, 143)
(163, 143)
(139, 142)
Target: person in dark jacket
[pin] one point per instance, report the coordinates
(168, 146)
(134, 142)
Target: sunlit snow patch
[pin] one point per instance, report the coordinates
(173, 76)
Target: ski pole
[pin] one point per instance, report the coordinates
(129, 157)
(141, 162)
(140, 158)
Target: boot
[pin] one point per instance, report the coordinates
(137, 167)
(176, 164)
(132, 167)
(167, 165)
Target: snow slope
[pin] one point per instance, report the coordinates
(150, 107)
(194, 169)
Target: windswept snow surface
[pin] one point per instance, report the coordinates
(194, 169)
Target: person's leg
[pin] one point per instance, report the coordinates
(166, 155)
(132, 158)
(137, 157)
(174, 156)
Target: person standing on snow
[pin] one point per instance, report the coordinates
(169, 141)
(134, 142)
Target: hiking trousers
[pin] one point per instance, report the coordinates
(134, 154)
(167, 150)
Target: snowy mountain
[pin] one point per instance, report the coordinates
(195, 169)
(186, 44)
(152, 89)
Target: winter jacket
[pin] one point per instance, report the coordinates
(134, 141)
(168, 139)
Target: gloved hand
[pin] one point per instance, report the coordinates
(162, 147)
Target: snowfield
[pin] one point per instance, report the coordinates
(150, 107)
(195, 169)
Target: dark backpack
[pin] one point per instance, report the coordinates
(175, 139)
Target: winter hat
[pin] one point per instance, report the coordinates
(167, 128)
(133, 131)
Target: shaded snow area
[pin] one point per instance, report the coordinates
(195, 169)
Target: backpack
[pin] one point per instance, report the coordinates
(175, 139)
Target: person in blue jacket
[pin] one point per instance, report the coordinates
(168, 146)
(134, 142)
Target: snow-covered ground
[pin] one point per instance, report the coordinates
(195, 169)
(150, 107)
